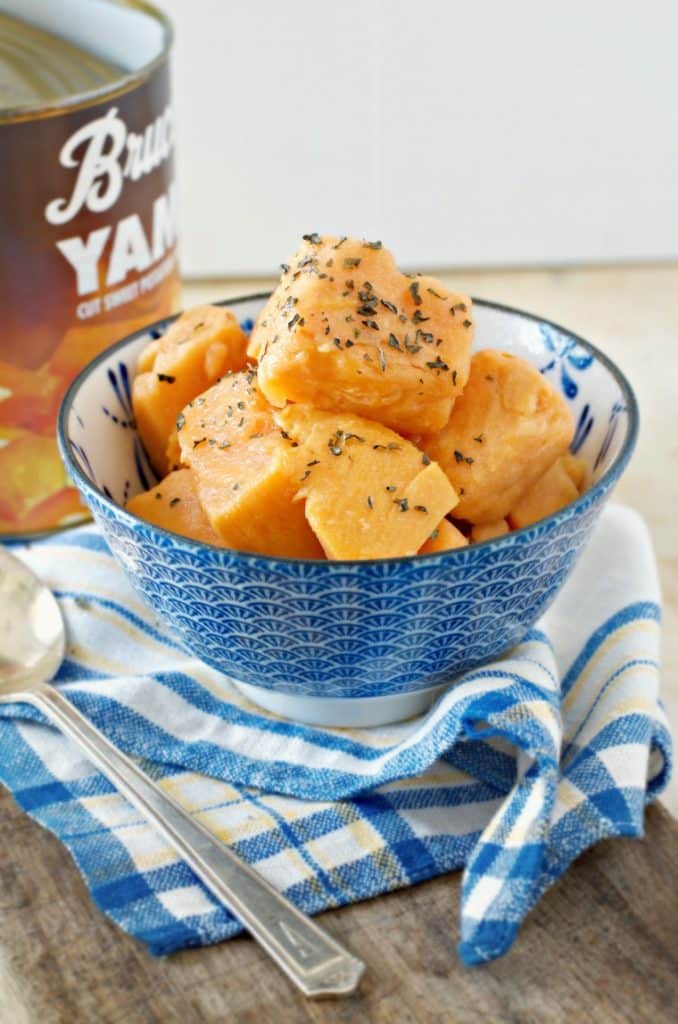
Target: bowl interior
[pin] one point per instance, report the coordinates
(97, 422)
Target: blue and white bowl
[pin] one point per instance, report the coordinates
(349, 643)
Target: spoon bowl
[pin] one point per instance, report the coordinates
(32, 644)
(32, 635)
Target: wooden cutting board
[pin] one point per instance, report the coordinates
(602, 946)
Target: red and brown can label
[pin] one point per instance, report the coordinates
(87, 255)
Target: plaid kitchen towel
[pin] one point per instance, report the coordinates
(516, 770)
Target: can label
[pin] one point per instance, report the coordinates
(87, 255)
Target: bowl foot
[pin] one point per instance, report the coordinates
(342, 712)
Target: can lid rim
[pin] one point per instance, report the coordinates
(125, 83)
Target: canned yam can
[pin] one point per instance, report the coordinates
(87, 220)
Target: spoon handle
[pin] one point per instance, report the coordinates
(314, 961)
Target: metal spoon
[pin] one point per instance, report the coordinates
(31, 650)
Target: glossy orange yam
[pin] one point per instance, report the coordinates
(199, 347)
(346, 331)
(369, 493)
(489, 531)
(174, 505)
(246, 471)
(29, 399)
(575, 467)
(63, 508)
(30, 469)
(547, 495)
(505, 431)
(445, 537)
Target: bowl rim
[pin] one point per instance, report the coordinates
(523, 535)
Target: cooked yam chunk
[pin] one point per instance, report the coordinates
(575, 467)
(246, 471)
(345, 331)
(547, 495)
(197, 349)
(445, 537)
(488, 531)
(505, 431)
(369, 493)
(173, 504)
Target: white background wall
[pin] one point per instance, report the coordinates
(461, 132)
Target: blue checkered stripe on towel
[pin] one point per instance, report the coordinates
(501, 777)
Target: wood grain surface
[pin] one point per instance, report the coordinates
(601, 948)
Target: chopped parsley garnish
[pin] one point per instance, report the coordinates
(166, 377)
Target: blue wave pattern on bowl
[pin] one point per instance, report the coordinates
(355, 629)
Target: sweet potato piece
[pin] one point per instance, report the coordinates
(505, 430)
(29, 399)
(488, 531)
(173, 504)
(30, 471)
(575, 467)
(369, 493)
(445, 537)
(247, 473)
(61, 508)
(345, 331)
(197, 349)
(547, 495)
